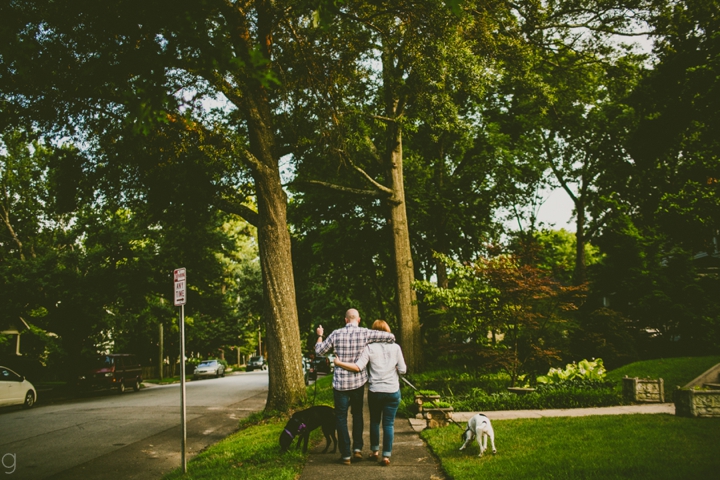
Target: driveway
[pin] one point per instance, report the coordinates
(135, 435)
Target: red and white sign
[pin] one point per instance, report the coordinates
(180, 286)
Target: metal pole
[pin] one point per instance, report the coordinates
(182, 387)
(161, 364)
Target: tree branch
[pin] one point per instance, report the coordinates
(341, 188)
(384, 119)
(6, 221)
(372, 181)
(556, 172)
(239, 209)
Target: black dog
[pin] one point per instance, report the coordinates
(305, 421)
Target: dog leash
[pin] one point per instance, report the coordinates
(430, 400)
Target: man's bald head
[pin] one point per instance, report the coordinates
(352, 316)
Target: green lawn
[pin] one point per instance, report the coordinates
(253, 453)
(599, 447)
(673, 371)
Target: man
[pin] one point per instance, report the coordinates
(349, 387)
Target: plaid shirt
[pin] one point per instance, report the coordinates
(348, 343)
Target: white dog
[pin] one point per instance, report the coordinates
(479, 427)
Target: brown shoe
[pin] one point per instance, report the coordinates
(345, 461)
(385, 462)
(374, 456)
(356, 456)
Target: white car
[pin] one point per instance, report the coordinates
(15, 390)
(209, 368)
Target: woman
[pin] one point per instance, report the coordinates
(384, 362)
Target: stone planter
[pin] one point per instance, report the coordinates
(693, 402)
(643, 390)
(438, 417)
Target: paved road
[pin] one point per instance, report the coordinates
(135, 435)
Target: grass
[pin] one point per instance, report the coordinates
(322, 391)
(599, 447)
(253, 452)
(673, 371)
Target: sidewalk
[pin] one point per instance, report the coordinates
(650, 408)
(411, 459)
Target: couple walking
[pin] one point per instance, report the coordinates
(363, 354)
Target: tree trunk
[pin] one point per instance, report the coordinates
(406, 298)
(579, 275)
(286, 385)
(441, 222)
(402, 254)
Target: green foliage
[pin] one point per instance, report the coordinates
(557, 253)
(573, 448)
(455, 382)
(662, 296)
(321, 392)
(507, 310)
(674, 144)
(605, 333)
(427, 392)
(564, 395)
(583, 370)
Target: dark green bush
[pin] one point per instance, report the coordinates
(452, 382)
(572, 394)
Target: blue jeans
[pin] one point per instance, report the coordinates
(345, 399)
(383, 405)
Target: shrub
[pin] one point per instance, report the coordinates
(570, 394)
(584, 370)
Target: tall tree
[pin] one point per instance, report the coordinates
(397, 60)
(78, 66)
(676, 146)
(564, 101)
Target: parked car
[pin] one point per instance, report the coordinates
(256, 363)
(116, 371)
(209, 368)
(15, 389)
(306, 369)
(322, 364)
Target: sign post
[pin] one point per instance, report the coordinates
(180, 295)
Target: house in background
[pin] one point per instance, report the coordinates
(708, 262)
(15, 328)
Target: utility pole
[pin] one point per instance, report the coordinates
(160, 353)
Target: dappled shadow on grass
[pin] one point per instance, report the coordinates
(253, 452)
(599, 447)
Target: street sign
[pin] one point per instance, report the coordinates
(180, 286)
(180, 297)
